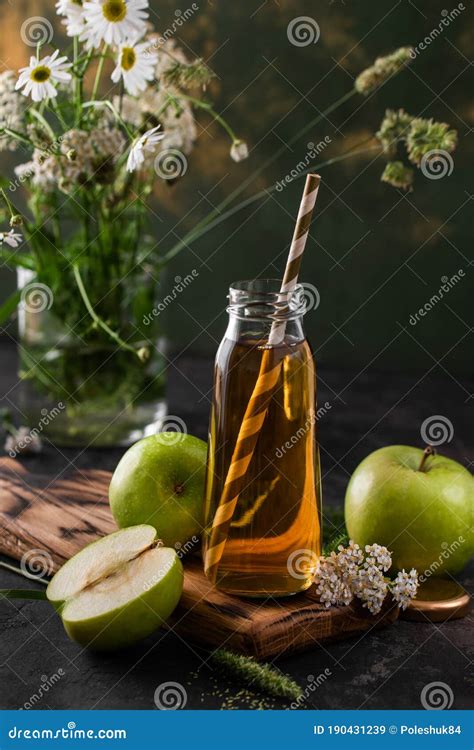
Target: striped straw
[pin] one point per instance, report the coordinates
(256, 410)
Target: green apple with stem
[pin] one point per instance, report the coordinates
(118, 589)
(418, 504)
(160, 481)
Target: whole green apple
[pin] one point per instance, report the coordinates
(418, 505)
(117, 590)
(160, 481)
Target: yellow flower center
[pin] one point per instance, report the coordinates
(40, 74)
(129, 58)
(114, 10)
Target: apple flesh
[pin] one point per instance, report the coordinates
(117, 590)
(160, 481)
(424, 517)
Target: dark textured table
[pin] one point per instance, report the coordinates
(383, 669)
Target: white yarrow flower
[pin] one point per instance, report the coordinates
(147, 142)
(352, 572)
(38, 77)
(113, 21)
(11, 238)
(370, 587)
(12, 109)
(379, 555)
(74, 18)
(404, 587)
(136, 65)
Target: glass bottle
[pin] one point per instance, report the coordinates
(273, 541)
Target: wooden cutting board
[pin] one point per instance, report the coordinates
(46, 520)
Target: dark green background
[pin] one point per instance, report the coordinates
(375, 254)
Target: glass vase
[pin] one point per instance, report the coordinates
(78, 387)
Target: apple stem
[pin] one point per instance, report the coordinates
(429, 451)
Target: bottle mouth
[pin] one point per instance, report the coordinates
(260, 299)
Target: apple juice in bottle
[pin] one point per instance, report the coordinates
(273, 541)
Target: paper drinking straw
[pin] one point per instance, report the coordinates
(257, 407)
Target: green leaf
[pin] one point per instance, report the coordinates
(10, 305)
(14, 259)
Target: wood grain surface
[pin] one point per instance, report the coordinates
(51, 518)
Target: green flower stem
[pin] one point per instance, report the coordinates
(77, 80)
(96, 318)
(8, 203)
(99, 71)
(23, 574)
(18, 136)
(39, 372)
(57, 112)
(41, 119)
(192, 236)
(109, 105)
(251, 178)
(26, 226)
(86, 60)
(22, 594)
(207, 107)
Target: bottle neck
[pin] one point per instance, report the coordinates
(259, 312)
(259, 331)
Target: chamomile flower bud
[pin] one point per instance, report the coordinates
(239, 151)
(143, 354)
(16, 220)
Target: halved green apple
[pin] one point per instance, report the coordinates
(117, 590)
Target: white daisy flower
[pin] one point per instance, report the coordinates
(136, 65)
(113, 21)
(74, 18)
(11, 238)
(147, 142)
(38, 77)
